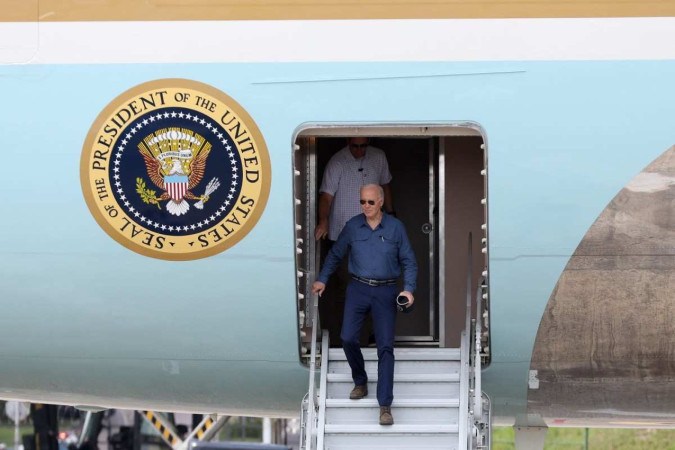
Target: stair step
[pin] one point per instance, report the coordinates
(391, 442)
(426, 414)
(397, 428)
(401, 390)
(398, 403)
(403, 354)
(400, 367)
(396, 446)
(423, 421)
(401, 378)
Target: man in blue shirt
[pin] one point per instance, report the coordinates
(379, 250)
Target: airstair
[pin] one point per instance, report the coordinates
(438, 402)
(426, 406)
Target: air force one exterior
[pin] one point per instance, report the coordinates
(161, 164)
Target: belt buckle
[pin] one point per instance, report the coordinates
(372, 283)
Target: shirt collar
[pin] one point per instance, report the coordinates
(386, 218)
(383, 223)
(352, 158)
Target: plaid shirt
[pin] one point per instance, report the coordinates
(343, 178)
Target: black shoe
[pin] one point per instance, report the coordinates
(385, 416)
(358, 392)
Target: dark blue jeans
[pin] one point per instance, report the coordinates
(380, 302)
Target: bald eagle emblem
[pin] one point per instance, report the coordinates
(175, 160)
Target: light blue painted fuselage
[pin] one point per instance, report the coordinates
(84, 320)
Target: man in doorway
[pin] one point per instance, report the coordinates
(353, 166)
(379, 251)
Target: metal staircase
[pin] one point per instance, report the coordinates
(425, 408)
(433, 404)
(438, 401)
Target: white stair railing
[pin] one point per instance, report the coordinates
(464, 381)
(480, 410)
(466, 374)
(310, 405)
(477, 408)
(323, 389)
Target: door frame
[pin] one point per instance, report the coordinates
(437, 197)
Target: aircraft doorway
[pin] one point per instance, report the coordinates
(417, 161)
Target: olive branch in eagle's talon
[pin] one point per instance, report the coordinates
(147, 195)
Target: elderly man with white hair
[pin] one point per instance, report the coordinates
(379, 252)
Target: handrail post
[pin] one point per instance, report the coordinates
(464, 383)
(477, 423)
(310, 428)
(478, 394)
(466, 377)
(325, 341)
(469, 290)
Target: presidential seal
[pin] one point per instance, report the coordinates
(175, 169)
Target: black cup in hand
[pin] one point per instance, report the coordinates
(402, 303)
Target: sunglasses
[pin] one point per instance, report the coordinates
(359, 145)
(370, 202)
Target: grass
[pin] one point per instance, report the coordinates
(598, 439)
(503, 438)
(7, 433)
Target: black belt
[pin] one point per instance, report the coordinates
(371, 282)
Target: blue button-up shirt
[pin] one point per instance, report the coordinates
(379, 254)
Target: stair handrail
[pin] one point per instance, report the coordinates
(477, 366)
(303, 421)
(471, 338)
(312, 404)
(465, 418)
(479, 413)
(323, 388)
(464, 384)
(469, 289)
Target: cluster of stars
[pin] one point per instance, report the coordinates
(206, 222)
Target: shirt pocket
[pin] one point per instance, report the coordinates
(360, 249)
(390, 243)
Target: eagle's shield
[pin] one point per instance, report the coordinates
(176, 186)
